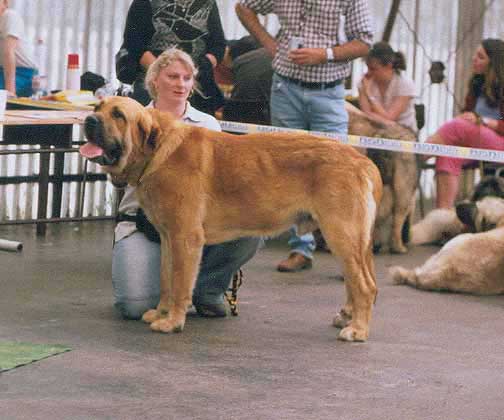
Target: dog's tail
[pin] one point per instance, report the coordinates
(401, 275)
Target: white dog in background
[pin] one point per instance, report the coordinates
(470, 262)
(440, 225)
(437, 226)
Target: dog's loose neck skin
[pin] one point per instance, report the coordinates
(151, 142)
(138, 178)
(162, 140)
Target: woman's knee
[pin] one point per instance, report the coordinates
(229, 255)
(135, 275)
(244, 250)
(134, 309)
(459, 132)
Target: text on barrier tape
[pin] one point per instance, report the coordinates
(378, 143)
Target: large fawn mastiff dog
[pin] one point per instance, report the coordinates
(199, 187)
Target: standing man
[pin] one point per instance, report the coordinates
(311, 58)
(17, 66)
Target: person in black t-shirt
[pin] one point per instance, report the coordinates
(194, 26)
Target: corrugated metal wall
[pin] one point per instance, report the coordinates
(93, 29)
(425, 30)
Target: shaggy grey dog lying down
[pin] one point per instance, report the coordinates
(470, 262)
(440, 225)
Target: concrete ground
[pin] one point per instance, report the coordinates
(430, 355)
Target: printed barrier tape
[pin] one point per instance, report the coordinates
(378, 143)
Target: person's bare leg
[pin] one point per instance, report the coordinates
(446, 189)
(434, 139)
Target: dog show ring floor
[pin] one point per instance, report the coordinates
(430, 356)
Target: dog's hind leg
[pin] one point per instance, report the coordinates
(360, 285)
(401, 275)
(403, 201)
(352, 241)
(419, 278)
(344, 316)
(177, 285)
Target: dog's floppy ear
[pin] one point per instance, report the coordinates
(149, 130)
(466, 212)
(489, 186)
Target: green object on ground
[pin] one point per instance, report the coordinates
(13, 354)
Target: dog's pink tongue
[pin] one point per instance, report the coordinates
(90, 150)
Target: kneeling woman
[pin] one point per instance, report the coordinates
(481, 125)
(136, 259)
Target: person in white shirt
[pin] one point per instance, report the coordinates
(386, 95)
(17, 64)
(136, 259)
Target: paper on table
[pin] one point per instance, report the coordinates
(3, 102)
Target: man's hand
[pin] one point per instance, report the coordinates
(308, 56)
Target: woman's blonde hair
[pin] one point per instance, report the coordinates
(166, 58)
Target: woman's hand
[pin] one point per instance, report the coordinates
(212, 59)
(365, 84)
(490, 123)
(147, 59)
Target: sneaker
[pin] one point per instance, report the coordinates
(295, 262)
(216, 310)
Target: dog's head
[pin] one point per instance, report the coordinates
(482, 215)
(489, 186)
(121, 134)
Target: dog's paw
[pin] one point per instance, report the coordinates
(398, 249)
(341, 320)
(399, 275)
(351, 334)
(150, 316)
(167, 325)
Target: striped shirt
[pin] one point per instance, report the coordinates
(318, 23)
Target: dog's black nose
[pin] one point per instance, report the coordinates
(466, 212)
(90, 125)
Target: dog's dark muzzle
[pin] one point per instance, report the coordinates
(98, 149)
(92, 127)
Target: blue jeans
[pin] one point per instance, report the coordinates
(136, 265)
(24, 77)
(324, 110)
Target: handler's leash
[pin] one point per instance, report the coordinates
(232, 293)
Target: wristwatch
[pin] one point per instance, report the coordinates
(330, 54)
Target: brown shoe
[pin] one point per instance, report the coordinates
(295, 262)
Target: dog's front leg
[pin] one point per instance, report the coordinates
(166, 268)
(177, 284)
